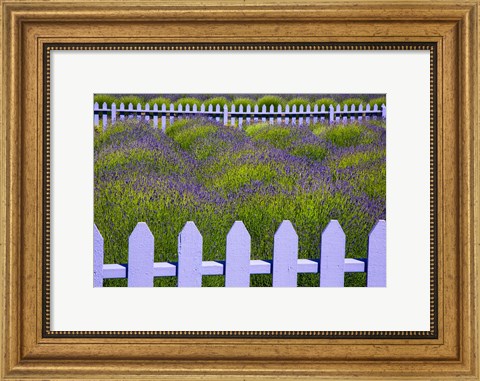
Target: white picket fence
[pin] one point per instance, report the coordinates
(237, 266)
(233, 116)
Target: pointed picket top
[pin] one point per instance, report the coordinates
(368, 107)
(376, 257)
(155, 107)
(272, 109)
(332, 256)
(225, 108)
(104, 106)
(264, 108)
(210, 108)
(190, 244)
(338, 108)
(237, 264)
(194, 107)
(147, 107)
(315, 108)
(360, 107)
(353, 107)
(384, 111)
(180, 107)
(300, 109)
(375, 107)
(279, 108)
(217, 108)
(240, 108)
(95, 105)
(345, 108)
(187, 107)
(287, 108)
(140, 257)
(308, 109)
(294, 108)
(202, 107)
(97, 257)
(285, 256)
(255, 108)
(249, 108)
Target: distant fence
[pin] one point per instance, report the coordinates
(237, 267)
(237, 116)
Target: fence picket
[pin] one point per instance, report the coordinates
(249, 111)
(122, 111)
(190, 244)
(237, 264)
(322, 109)
(332, 114)
(240, 116)
(147, 112)
(172, 113)
(271, 114)
(360, 112)
(97, 258)
(294, 119)
(384, 112)
(300, 118)
(345, 112)
(180, 112)
(264, 111)
(255, 116)
(287, 111)
(332, 256)
(130, 111)
(315, 110)
(155, 117)
(352, 115)
(279, 117)
(140, 257)
(233, 116)
(114, 113)
(376, 257)
(285, 256)
(104, 115)
(307, 119)
(367, 114)
(375, 110)
(139, 111)
(217, 111)
(96, 115)
(225, 115)
(338, 113)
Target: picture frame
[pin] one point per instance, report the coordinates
(30, 350)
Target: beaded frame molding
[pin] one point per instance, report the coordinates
(46, 305)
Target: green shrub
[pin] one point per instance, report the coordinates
(325, 101)
(344, 135)
(298, 102)
(188, 101)
(310, 151)
(279, 137)
(252, 129)
(244, 102)
(351, 101)
(222, 101)
(133, 99)
(269, 100)
(378, 101)
(159, 101)
(105, 98)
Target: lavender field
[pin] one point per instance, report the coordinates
(203, 171)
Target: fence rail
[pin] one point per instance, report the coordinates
(237, 267)
(233, 116)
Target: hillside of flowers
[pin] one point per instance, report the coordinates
(202, 171)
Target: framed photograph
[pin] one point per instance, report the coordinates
(239, 190)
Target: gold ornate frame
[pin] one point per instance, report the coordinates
(29, 27)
